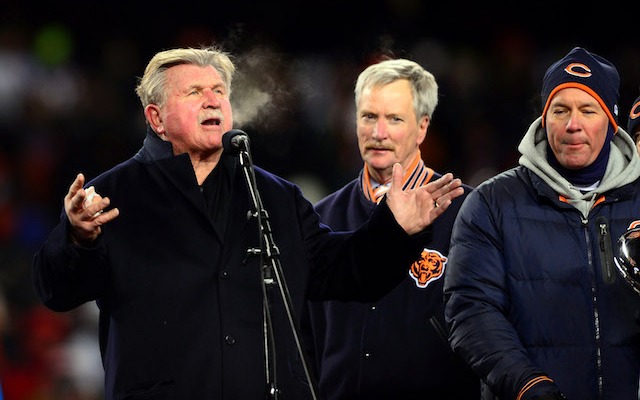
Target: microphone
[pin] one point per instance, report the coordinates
(235, 141)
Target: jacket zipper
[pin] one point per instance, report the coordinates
(606, 250)
(601, 225)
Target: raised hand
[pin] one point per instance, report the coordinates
(86, 212)
(415, 209)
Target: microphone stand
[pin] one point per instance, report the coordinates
(270, 261)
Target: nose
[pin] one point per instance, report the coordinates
(210, 99)
(573, 124)
(380, 130)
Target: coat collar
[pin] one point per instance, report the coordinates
(179, 171)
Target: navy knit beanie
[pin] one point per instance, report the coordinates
(634, 117)
(589, 72)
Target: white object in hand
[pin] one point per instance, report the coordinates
(91, 193)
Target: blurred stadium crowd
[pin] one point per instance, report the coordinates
(67, 105)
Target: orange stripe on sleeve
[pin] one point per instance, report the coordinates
(532, 383)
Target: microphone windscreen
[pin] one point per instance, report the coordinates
(229, 144)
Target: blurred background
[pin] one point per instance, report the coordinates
(67, 105)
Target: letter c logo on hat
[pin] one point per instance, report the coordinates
(571, 70)
(635, 111)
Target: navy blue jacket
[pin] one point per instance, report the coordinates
(180, 299)
(532, 290)
(394, 348)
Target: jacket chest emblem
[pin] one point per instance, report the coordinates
(429, 268)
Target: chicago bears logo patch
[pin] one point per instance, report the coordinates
(578, 69)
(429, 268)
(635, 112)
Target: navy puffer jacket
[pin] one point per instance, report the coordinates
(532, 291)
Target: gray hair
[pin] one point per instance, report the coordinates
(151, 87)
(423, 84)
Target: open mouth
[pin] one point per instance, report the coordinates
(212, 122)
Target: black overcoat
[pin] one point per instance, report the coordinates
(180, 299)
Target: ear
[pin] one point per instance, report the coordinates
(423, 125)
(152, 114)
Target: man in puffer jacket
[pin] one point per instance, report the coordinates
(534, 303)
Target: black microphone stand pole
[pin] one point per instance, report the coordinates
(270, 261)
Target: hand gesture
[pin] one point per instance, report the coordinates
(415, 209)
(86, 212)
